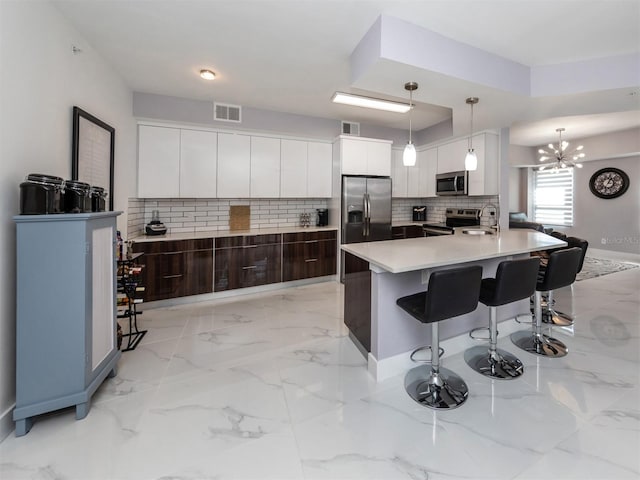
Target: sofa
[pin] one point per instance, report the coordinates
(520, 220)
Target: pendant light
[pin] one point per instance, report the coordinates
(409, 154)
(471, 160)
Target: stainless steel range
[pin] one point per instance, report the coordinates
(455, 217)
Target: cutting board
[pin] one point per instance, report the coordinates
(239, 217)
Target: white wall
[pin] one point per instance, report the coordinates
(40, 81)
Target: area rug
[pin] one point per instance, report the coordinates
(597, 267)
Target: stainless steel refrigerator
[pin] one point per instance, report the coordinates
(366, 209)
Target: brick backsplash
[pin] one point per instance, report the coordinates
(203, 215)
(436, 207)
(206, 215)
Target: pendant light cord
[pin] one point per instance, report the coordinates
(410, 108)
(471, 129)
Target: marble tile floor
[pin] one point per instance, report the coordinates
(269, 386)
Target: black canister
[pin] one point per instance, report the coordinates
(77, 197)
(98, 199)
(41, 194)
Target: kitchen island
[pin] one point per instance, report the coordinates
(378, 273)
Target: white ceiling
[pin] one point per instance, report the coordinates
(292, 55)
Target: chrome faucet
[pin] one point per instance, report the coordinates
(497, 215)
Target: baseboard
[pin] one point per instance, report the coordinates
(612, 255)
(6, 422)
(399, 364)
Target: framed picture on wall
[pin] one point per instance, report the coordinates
(92, 152)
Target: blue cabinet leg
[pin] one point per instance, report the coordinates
(113, 372)
(23, 426)
(82, 410)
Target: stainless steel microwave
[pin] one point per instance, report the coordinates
(452, 183)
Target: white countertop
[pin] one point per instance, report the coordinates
(226, 233)
(397, 256)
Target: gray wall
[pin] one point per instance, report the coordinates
(608, 224)
(41, 80)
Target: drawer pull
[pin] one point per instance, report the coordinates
(311, 260)
(311, 241)
(171, 253)
(249, 268)
(249, 246)
(171, 276)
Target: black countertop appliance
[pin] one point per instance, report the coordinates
(323, 217)
(419, 213)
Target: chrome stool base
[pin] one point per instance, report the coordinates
(444, 390)
(559, 319)
(539, 344)
(501, 365)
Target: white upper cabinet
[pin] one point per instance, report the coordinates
(158, 162)
(418, 181)
(265, 167)
(484, 180)
(427, 175)
(365, 156)
(293, 169)
(399, 175)
(451, 156)
(319, 158)
(198, 162)
(234, 165)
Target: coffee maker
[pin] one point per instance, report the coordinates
(322, 219)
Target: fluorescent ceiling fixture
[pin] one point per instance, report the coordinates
(368, 102)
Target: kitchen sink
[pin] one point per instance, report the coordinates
(477, 231)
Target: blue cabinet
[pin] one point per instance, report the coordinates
(66, 312)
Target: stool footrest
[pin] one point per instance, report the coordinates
(488, 337)
(424, 349)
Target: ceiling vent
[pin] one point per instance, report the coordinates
(350, 128)
(227, 113)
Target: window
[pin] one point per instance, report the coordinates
(553, 197)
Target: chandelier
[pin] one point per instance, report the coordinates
(558, 157)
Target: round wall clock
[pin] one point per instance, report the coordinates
(609, 183)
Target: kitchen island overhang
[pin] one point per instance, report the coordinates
(397, 268)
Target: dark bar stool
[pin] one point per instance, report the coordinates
(450, 293)
(549, 314)
(561, 271)
(515, 280)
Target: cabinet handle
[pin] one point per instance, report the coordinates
(311, 260)
(171, 276)
(311, 241)
(171, 253)
(249, 268)
(249, 246)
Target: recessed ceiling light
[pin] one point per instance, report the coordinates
(207, 74)
(369, 102)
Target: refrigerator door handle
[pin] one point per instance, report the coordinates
(367, 200)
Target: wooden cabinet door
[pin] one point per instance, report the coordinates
(198, 163)
(198, 272)
(313, 256)
(247, 266)
(265, 167)
(163, 275)
(234, 165)
(158, 162)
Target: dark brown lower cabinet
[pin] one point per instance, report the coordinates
(176, 268)
(357, 299)
(308, 255)
(247, 261)
(406, 231)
